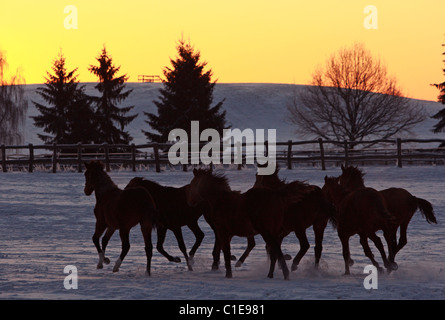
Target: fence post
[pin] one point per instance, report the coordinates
(399, 152)
(289, 154)
(133, 157)
(323, 165)
(156, 152)
(54, 157)
(79, 157)
(107, 157)
(346, 153)
(3, 158)
(31, 158)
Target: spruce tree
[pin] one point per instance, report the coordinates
(187, 95)
(110, 118)
(440, 126)
(68, 118)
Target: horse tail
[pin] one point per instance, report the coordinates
(426, 208)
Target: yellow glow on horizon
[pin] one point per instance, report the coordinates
(278, 41)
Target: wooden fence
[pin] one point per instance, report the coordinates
(316, 152)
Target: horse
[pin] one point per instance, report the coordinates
(121, 210)
(400, 203)
(232, 213)
(174, 212)
(313, 210)
(361, 212)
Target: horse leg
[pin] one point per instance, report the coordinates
(402, 239)
(199, 235)
(319, 234)
(225, 245)
(216, 253)
(346, 253)
(181, 244)
(368, 252)
(146, 228)
(277, 254)
(390, 237)
(250, 246)
(100, 228)
(304, 247)
(389, 265)
(105, 239)
(125, 239)
(161, 231)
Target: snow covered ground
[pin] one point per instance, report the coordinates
(46, 223)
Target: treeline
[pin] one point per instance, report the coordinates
(72, 116)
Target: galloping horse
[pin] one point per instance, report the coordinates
(174, 212)
(257, 211)
(400, 203)
(121, 210)
(361, 212)
(313, 210)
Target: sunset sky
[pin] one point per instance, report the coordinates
(280, 41)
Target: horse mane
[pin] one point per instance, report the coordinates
(353, 173)
(219, 180)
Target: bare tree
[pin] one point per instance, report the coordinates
(13, 106)
(353, 98)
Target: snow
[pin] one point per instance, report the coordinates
(46, 223)
(247, 105)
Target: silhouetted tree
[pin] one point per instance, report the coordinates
(13, 106)
(187, 96)
(109, 117)
(440, 126)
(353, 98)
(69, 116)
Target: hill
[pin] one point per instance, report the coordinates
(248, 105)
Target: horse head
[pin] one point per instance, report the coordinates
(268, 181)
(351, 178)
(331, 189)
(91, 175)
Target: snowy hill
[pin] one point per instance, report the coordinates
(248, 105)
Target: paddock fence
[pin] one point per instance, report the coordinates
(318, 153)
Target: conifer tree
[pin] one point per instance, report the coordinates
(109, 117)
(187, 95)
(68, 118)
(440, 126)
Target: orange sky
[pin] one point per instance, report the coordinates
(279, 41)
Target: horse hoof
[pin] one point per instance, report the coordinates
(351, 262)
(238, 264)
(176, 259)
(115, 269)
(294, 267)
(100, 266)
(287, 257)
(394, 266)
(215, 267)
(106, 261)
(147, 273)
(233, 258)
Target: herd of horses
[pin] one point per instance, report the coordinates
(272, 208)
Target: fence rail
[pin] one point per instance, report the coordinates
(316, 152)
